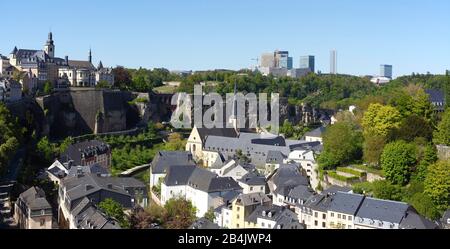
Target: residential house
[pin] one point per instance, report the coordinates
(296, 195)
(315, 135)
(343, 209)
(274, 217)
(203, 188)
(252, 183)
(163, 160)
(58, 170)
(437, 99)
(88, 216)
(87, 153)
(32, 210)
(244, 205)
(313, 213)
(373, 214)
(234, 169)
(127, 191)
(285, 177)
(273, 161)
(413, 220)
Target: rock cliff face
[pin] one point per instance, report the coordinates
(80, 112)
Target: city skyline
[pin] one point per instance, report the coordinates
(200, 35)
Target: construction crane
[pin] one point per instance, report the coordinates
(257, 62)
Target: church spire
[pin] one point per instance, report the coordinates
(90, 55)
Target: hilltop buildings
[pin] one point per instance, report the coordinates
(41, 66)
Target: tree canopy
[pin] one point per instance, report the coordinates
(116, 211)
(397, 161)
(342, 144)
(437, 184)
(442, 133)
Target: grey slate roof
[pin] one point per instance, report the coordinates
(316, 132)
(91, 169)
(34, 198)
(80, 186)
(333, 189)
(416, 221)
(435, 95)
(75, 152)
(252, 179)
(283, 217)
(383, 210)
(346, 203)
(319, 202)
(300, 192)
(164, 159)
(81, 65)
(276, 157)
(88, 216)
(221, 132)
(204, 223)
(199, 178)
(252, 199)
(288, 175)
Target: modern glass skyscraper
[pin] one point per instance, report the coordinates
(386, 71)
(307, 62)
(333, 62)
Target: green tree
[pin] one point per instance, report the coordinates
(242, 157)
(442, 134)
(176, 142)
(10, 136)
(387, 191)
(342, 144)
(46, 149)
(373, 147)
(381, 120)
(122, 77)
(397, 160)
(437, 184)
(179, 214)
(428, 157)
(287, 129)
(48, 87)
(116, 211)
(413, 127)
(103, 84)
(210, 215)
(65, 144)
(424, 205)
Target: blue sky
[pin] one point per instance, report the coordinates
(412, 35)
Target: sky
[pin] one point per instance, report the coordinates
(412, 35)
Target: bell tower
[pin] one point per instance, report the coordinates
(49, 47)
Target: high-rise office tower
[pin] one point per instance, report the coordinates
(307, 62)
(267, 60)
(282, 60)
(333, 62)
(386, 71)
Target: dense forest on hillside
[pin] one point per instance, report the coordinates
(325, 91)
